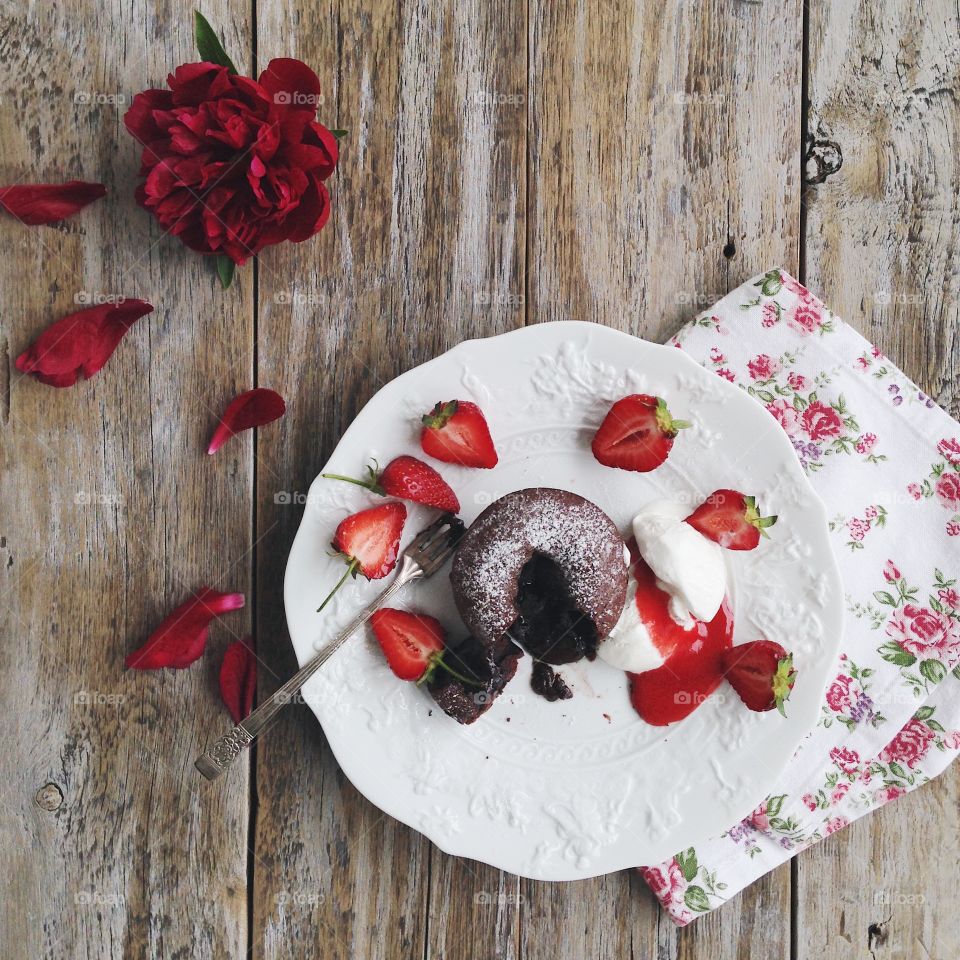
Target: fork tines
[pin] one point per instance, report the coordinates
(434, 544)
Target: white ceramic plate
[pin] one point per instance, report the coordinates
(568, 790)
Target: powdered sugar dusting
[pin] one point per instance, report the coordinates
(572, 531)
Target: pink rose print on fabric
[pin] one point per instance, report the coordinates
(950, 598)
(910, 745)
(770, 314)
(846, 759)
(727, 374)
(953, 529)
(805, 318)
(834, 824)
(890, 572)
(787, 415)
(923, 632)
(821, 422)
(668, 885)
(886, 794)
(796, 288)
(763, 367)
(866, 443)
(796, 381)
(848, 700)
(838, 695)
(950, 451)
(947, 489)
(915, 491)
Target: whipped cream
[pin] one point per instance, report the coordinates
(686, 564)
(629, 646)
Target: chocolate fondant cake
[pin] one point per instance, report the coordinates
(544, 566)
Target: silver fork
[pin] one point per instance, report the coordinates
(427, 552)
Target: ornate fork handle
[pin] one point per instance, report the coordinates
(225, 750)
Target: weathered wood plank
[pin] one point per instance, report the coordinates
(110, 513)
(663, 170)
(424, 249)
(881, 250)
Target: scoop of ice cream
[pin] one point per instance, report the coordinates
(687, 565)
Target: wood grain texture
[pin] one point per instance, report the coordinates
(881, 249)
(424, 249)
(112, 514)
(506, 162)
(663, 171)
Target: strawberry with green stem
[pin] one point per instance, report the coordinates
(369, 542)
(637, 434)
(761, 672)
(407, 478)
(414, 645)
(456, 431)
(731, 519)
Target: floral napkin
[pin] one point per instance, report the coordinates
(886, 461)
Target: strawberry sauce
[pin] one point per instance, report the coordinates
(692, 670)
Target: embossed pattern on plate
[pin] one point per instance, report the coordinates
(582, 787)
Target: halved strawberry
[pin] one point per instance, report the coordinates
(636, 434)
(369, 542)
(407, 478)
(731, 519)
(761, 672)
(413, 644)
(457, 432)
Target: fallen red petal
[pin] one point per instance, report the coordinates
(238, 679)
(182, 636)
(81, 343)
(251, 409)
(37, 203)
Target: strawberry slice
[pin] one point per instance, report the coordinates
(731, 519)
(761, 672)
(407, 478)
(457, 432)
(636, 434)
(369, 542)
(413, 644)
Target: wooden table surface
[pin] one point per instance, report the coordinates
(508, 162)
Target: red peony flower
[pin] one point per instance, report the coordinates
(821, 422)
(37, 203)
(947, 489)
(910, 745)
(231, 164)
(81, 343)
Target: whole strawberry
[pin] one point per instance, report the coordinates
(761, 672)
(457, 432)
(636, 434)
(731, 519)
(407, 478)
(369, 542)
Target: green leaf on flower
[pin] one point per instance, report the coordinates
(898, 771)
(892, 652)
(208, 43)
(687, 862)
(932, 670)
(924, 713)
(936, 725)
(696, 899)
(225, 270)
(775, 804)
(882, 596)
(956, 671)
